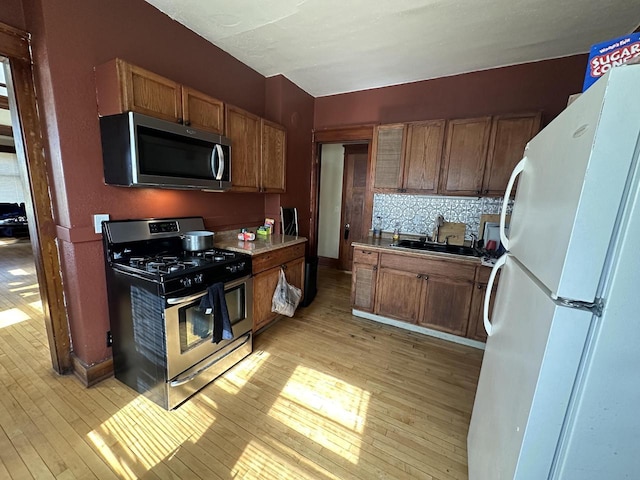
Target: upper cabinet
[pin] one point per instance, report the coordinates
(465, 156)
(423, 156)
(243, 129)
(473, 156)
(123, 87)
(274, 154)
(258, 148)
(387, 156)
(509, 137)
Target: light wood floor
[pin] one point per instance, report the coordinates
(325, 395)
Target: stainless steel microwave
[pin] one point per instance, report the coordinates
(142, 151)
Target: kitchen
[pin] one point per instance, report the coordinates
(69, 106)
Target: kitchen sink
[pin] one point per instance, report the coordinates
(438, 247)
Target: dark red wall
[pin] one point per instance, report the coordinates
(69, 39)
(543, 85)
(11, 13)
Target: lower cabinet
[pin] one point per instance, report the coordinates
(266, 270)
(476, 329)
(444, 295)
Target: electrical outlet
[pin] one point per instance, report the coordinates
(109, 339)
(98, 218)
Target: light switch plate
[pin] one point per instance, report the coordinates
(97, 221)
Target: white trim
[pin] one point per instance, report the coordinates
(419, 329)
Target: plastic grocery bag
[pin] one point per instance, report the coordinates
(286, 297)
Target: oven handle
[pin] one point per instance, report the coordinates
(191, 298)
(188, 378)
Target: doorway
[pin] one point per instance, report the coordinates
(16, 61)
(341, 170)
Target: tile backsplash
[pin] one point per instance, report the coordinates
(416, 214)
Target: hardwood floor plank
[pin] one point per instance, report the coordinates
(325, 395)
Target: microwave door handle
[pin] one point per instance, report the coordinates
(220, 161)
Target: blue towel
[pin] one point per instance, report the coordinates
(215, 302)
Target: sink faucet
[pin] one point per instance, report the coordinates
(474, 240)
(439, 223)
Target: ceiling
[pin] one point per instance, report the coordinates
(334, 46)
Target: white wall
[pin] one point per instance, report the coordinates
(331, 169)
(11, 189)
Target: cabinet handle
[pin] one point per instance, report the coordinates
(418, 276)
(426, 277)
(365, 252)
(481, 286)
(187, 123)
(375, 268)
(478, 192)
(283, 266)
(180, 120)
(486, 191)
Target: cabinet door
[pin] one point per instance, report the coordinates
(423, 156)
(273, 163)
(202, 111)
(446, 304)
(476, 329)
(387, 156)
(363, 286)
(148, 93)
(243, 128)
(399, 294)
(509, 136)
(465, 156)
(264, 284)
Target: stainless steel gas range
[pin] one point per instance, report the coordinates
(164, 340)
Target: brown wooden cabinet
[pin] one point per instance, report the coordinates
(258, 151)
(387, 157)
(399, 294)
(447, 303)
(465, 156)
(266, 272)
(123, 87)
(364, 279)
(421, 170)
(273, 160)
(476, 329)
(509, 137)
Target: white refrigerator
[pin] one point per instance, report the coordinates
(559, 389)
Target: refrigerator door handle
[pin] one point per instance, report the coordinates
(505, 201)
(487, 294)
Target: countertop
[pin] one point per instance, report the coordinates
(229, 241)
(384, 244)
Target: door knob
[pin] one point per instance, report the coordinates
(346, 231)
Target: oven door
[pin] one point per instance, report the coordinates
(190, 331)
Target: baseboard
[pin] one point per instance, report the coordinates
(91, 374)
(419, 329)
(329, 262)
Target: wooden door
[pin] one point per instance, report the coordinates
(273, 164)
(243, 128)
(148, 93)
(202, 111)
(509, 137)
(399, 294)
(387, 157)
(354, 186)
(465, 156)
(447, 304)
(423, 156)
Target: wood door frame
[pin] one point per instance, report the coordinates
(342, 135)
(29, 142)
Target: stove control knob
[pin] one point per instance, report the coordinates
(186, 282)
(198, 278)
(232, 268)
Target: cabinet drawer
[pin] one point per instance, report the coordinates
(442, 268)
(276, 257)
(368, 257)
